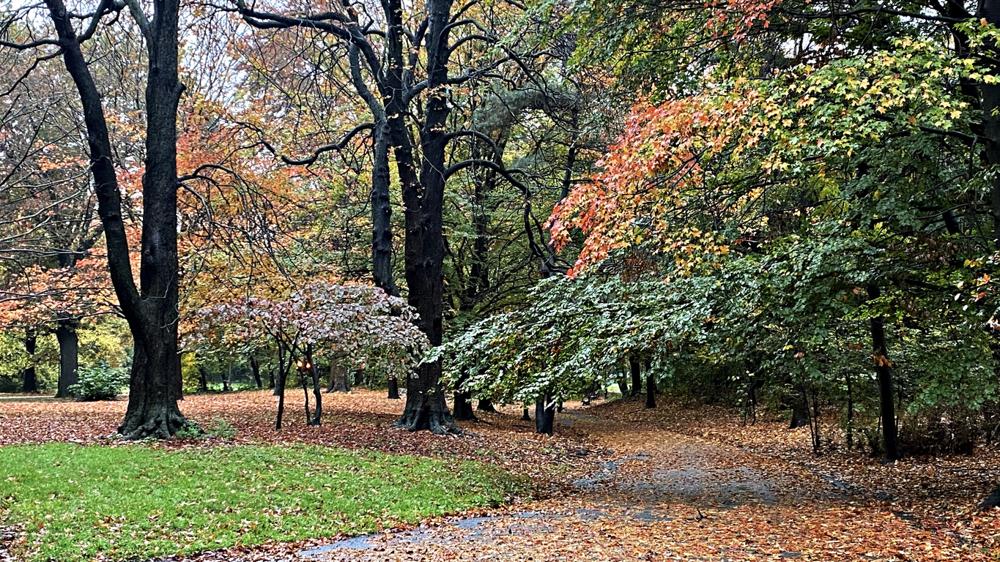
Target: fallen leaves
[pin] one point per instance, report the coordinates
(619, 482)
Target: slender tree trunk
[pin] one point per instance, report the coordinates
(279, 387)
(317, 390)
(636, 369)
(69, 356)
(850, 412)
(202, 379)
(524, 414)
(393, 388)
(883, 372)
(303, 375)
(382, 212)
(227, 376)
(29, 376)
(255, 371)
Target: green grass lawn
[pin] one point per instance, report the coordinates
(76, 502)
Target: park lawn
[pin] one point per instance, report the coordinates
(78, 503)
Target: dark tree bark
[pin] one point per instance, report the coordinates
(284, 364)
(545, 414)
(382, 211)
(255, 371)
(883, 372)
(623, 384)
(69, 356)
(524, 414)
(393, 388)
(29, 376)
(650, 390)
(635, 368)
(989, 10)
(304, 369)
(424, 207)
(463, 407)
(800, 412)
(486, 405)
(227, 375)
(150, 310)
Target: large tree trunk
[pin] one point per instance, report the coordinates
(424, 245)
(486, 405)
(69, 356)
(29, 376)
(156, 379)
(883, 371)
(989, 10)
(545, 414)
(152, 406)
(151, 311)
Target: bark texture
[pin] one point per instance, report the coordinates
(150, 309)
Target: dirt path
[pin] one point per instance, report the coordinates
(663, 496)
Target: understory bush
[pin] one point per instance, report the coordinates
(100, 382)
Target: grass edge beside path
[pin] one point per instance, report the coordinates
(76, 503)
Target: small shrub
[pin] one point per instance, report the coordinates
(221, 428)
(940, 431)
(99, 382)
(189, 431)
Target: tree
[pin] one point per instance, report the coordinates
(422, 175)
(344, 323)
(151, 307)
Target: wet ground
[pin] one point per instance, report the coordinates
(657, 485)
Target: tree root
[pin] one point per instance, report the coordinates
(162, 425)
